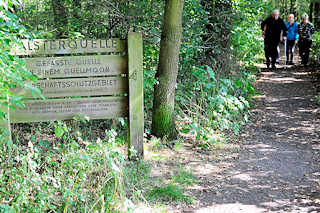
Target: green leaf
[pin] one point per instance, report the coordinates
(185, 131)
(58, 131)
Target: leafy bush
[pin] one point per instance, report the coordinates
(12, 69)
(246, 39)
(315, 54)
(221, 104)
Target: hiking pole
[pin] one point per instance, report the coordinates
(285, 50)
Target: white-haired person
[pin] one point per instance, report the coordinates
(305, 31)
(292, 38)
(271, 31)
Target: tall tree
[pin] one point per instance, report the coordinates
(60, 17)
(317, 15)
(292, 3)
(218, 33)
(311, 11)
(163, 104)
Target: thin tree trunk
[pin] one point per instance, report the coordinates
(311, 12)
(163, 104)
(291, 6)
(223, 10)
(218, 32)
(76, 4)
(60, 18)
(317, 15)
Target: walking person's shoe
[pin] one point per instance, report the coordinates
(290, 63)
(274, 68)
(287, 62)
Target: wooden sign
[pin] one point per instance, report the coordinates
(95, 86)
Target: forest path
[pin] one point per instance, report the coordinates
(272, 166)
(277, 168)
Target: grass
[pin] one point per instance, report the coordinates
(169, 193)
(184, 177)
(156, 144)
(174, 191)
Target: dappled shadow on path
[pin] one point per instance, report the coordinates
(277, 168)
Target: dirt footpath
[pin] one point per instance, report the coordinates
(274, 165)
(277, 168)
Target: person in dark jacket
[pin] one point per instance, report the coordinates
(292, 38)
(272, 28)
(305, 31)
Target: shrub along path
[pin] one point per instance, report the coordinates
(274, 165)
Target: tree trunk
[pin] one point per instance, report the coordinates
(311, 12)
(76, 4)
(218, 33)
(223, 10)
(317, 15)
(163, 104)
(60, 18)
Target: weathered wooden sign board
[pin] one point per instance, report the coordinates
(97, 86)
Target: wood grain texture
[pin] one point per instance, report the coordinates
(78, 87)
(136, 109)
(77, 66)
(64, 109)
(67, 46)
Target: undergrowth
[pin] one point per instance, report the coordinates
(220, 104)
(64, 173)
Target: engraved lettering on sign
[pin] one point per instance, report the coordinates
(77, 66)
(81, 83)
(66, 109)
(69, 106)
(41, 46)
(78, 87)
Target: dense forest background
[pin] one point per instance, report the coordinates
(56, 168)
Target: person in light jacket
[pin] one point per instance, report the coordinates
(292, 38)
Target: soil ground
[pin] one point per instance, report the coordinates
(273, 165)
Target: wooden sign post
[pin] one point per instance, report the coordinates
(136, 117)
(108, 85)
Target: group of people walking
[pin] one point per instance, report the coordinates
(274, 31)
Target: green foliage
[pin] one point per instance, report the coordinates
(69, 176)
(12, 69)
(222, 103)
(246, 38)
(156, 144)
(315, 54)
